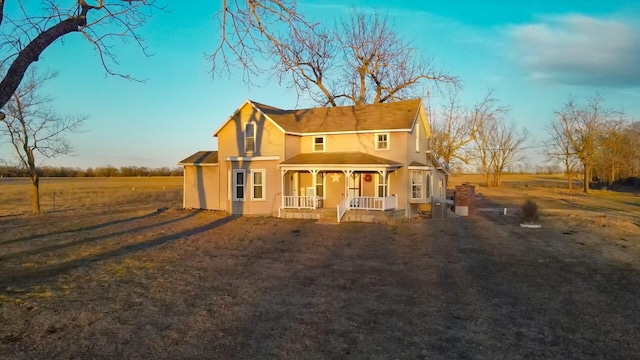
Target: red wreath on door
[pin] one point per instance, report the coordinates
(367, 177)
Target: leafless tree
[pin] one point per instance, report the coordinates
(614, 151)
(584, 127)
(559, 148)
(362, 60)
(34, 129)
(482, 143)
(27, 29)
(505, 148)
(457, 126)
(249, 31)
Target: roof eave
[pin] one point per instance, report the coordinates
(198, 164)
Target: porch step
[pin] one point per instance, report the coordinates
(328, 216)
(381, 217)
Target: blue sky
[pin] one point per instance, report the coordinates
(534, 54)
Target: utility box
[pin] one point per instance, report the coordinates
(464, 199)
(438, 209)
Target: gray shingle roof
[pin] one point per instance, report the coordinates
(386, 116)
(201, 157)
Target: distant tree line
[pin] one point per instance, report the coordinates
(588, 138)
(102, 171)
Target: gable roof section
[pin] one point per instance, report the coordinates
(399, 116)
(201, 158)
(393, 116)
(253, 104)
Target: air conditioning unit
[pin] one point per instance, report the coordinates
(439, 209)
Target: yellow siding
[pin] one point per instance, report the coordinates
(272, 189)
(269, 138)
(292, 146)
(361, 143)
(201, 190)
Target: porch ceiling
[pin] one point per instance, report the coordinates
(339, 161)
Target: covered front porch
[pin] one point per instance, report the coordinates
(327, 181)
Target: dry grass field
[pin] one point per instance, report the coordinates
(59, 194)
(121, 279)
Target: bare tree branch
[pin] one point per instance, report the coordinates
(33, 128)
(25, 36)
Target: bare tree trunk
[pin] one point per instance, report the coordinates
(586, 177)
(35, 191)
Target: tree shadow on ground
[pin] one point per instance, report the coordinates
(84, 228)
(32, 277)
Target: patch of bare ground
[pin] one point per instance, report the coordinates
(180, 284)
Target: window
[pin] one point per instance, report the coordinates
(238, 184)
(382, 186)
(428, 185)
(250, 137)
(258, 185)
(382, 141)
(416, 184)
(318, 143)
(441, 187)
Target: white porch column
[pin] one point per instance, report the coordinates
(314, 174)
(347, 175)
(284, 172)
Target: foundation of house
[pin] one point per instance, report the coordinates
(329, 216)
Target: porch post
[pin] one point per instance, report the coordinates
(282, 178)
(314, 174)
(383, 174)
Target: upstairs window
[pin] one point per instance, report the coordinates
(250, 137)
(318, 143)
(382, 141)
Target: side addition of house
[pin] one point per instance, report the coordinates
(272, 161)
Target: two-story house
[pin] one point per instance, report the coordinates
(370, 157)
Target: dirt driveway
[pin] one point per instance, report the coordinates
(179, 284)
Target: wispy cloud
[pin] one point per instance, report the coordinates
(580, 50)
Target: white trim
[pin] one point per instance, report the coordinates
(411, 184)
(184, 188)
(414, 167)
(264, 184)
(313, 143)
(347, 132)
(196, 164)
(417, 137)
(376, 141)
(251, 158)
(339, 167)
(234, 184)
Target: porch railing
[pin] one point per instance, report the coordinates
(342, 208)
(367, 203)
(302, 202)
(373, 203)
